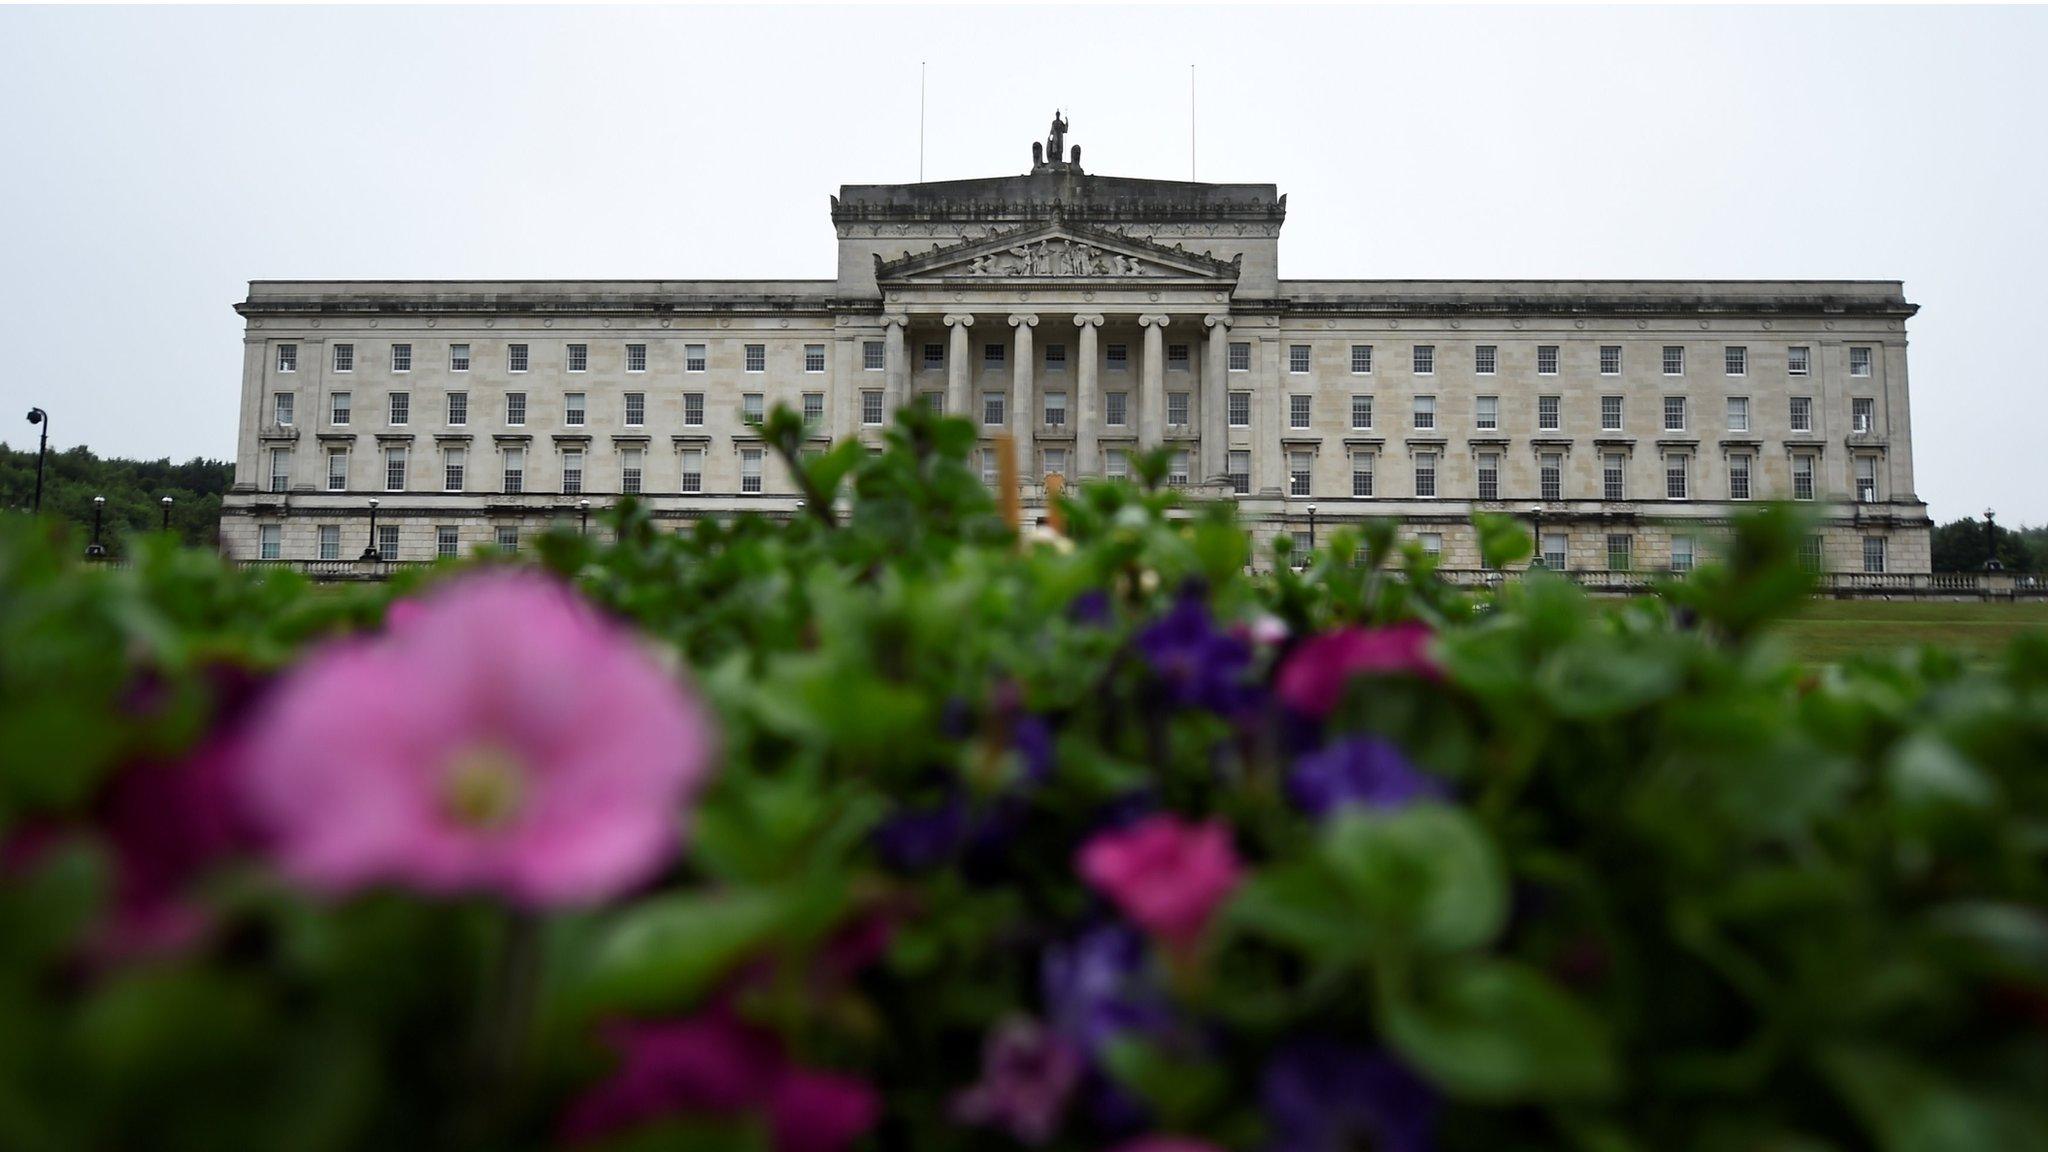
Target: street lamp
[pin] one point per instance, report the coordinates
(1536, 518)
(1991, 563)
(38, 416)
(167, 513)
(583, 522)
(370, 553)
(96, 550)
(1311, 527)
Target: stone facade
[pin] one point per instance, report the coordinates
(1089, 317)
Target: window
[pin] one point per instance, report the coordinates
(1486, 413)
(1301, 552)
(1361, 411)
(1681, 554)
(1802, 477)
(988, 467)
(1055, 409)
(874, 356)
(572, 409)
(1610, 359)
(814, 407)
(1802, 414)
(1613, 477)
(281, 408)
(1674, 413)
(631, 468)
(267, 542)
(636, 357)
(458, 409)
(1055, 462)
(1361, 474)
(458, 357)
(401, 357)
(1674, 360)
(454, 465)
(337, 470)
(1361, 359)
(1798, 361)
(1425, 412)
(387, 541)
(1425, 475)
(1859, 361)
(1116, 408)
(1546, 360)
(507, 537)
(338, 412)
(1489, 475)
(515, 358)
(515, 469)
(1177, 357)
(1862, 415)
(1116, 464)
(1055, 357)
(814, 357)
(287, 357)
(757, 357)
(1738, 476)
(1620, 546)
(1300, 472)
(1238, 466)
(1177, 469)
(1866, 479)
(1240, 414)
(636, 409)
(1432, 543)
(1610, 413)
(579, 357)
(344, 357)
(1556, 557)
(1738, 413)
(934, 357)
(330, 541)
(992, 409)
(1675, 475)
(1484, 358)
(515, 409)
(1550, 475)
(1425, 359)
(280, 469)
(401, 408)
(447, 541)
(935, 403)
(694, 358)
(1873, 554)
(1735, 360)
(752, 407)
(572, 470)
(1548, 417)
(1118, 357)
(1176, 408)
(1298, 411)
(871, 408)
(991, 356)
(1240, 357)
(1810, 553)
(1297, 359)
(394, 468)
(693, 409)
(750, 469)
(693, 470)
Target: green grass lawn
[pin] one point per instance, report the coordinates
(1833, 630)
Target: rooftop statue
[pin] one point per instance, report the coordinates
(1056, 141)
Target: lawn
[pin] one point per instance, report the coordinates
(1833, 630)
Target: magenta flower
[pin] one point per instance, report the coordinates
(1167, 875)
(505, 739)
(1313, 679)
(1028, 1073)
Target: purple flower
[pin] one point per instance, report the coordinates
(1366, 771)
(1031, 738)
(1027, 1076)
(1323, 1096)
(1099, 987)
(920, 839)
(1091, 608)
(1199, 665)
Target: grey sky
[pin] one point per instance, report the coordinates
(155, 160)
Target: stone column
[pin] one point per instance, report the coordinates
(1216, 399)
(1087, 398)
(1152, 383)
(895, 361)
(1023, 393)
(959, 367)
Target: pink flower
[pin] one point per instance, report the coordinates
(506, 739)
(810, 1111)
(1027, 1076)
(1314, 677)
(1166, 1144)
(1167, 875)
(168, 822)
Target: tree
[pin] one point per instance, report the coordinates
(134, 490)
(1959, 547)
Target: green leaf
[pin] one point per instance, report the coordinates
(1503, 539)
(665, 953)
(1302, 905)
(1427, 876)
(1181, 1091)
(1494, 1031)
(1908, 1108)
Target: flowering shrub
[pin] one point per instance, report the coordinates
(886, 829)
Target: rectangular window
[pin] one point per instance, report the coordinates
(695, 357)
(572, 409)
(1738, 413)
(1055, 409)
(338, 412)
(636, 409)
(1681, 554)
(1425, 475)
(750, 469)
(1802, 414)
(1176, 357)
(268, 542)
(394, 469)
(447, 541)
(988, 467)
(1486, 413)
(814, 357)
(1425, 359)
(1802, 477)
(1859, 361)
(1866, 479)
(752, 407)
(1620, 551)
(1735, 360)
(515, 409)
(401, 408)
(1300, 473)
(387, 541)
(1361, 474)
(1489, 475)
(401, 357)
(1549, 416)
(1055, 462)
(934, 357)
(1240, 414)
(1361, 411)
(1361, 359)
(1297, 359)
(330, 541)
(871, 408)
(1555, 555)
(991, 356)
(287, 357)
(693, 409)
(1116, 464)
(515, 469)
(1738, 477)
(515, 357)
(1177, 469)
(757, 358)
(1432, 543)
(337, 470)
(1610, 413)
(1484, 359)
(1550, 475)
(1116, 408)
(1613, 477)
(454, 469)
(1610, 359)
(992, 411)
(1118, 357)
(280, 469)
(458, 357)
(814, 407)
(1675, 476)
(1240, 357)
(631, 468)
(1546, 360)
(572, 470)
(1176, 409)
(1674, 413)
(1798, 361)
(1055, 357)
(1298, 414)
(344, 357)
(281, 409)
(1674, 360)
(1873, 554)
(636, 357)
(1810, 553)
(693, 470)
(1238, 466)
(458, 409)
(1862, 415)
(579, 358)
(507, 537)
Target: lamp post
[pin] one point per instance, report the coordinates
(1536, 518)
(167, 513)
(96, 550)
(1991, 563)
(583, 517)
(1311, 527)
(370, 553)
(38, 416)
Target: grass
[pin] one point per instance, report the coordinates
(1830, 631)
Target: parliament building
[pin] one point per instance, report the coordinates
(1091, 318)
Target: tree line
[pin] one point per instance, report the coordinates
(134, 490)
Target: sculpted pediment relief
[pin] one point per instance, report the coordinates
(1055, 252)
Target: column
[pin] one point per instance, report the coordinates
(1023, 394)
(1152, 383)
(895, 361)
(959, 367)
(1216, 399)
(1087, 398)
(1269, 464)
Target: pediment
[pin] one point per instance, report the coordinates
(1055, 250)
